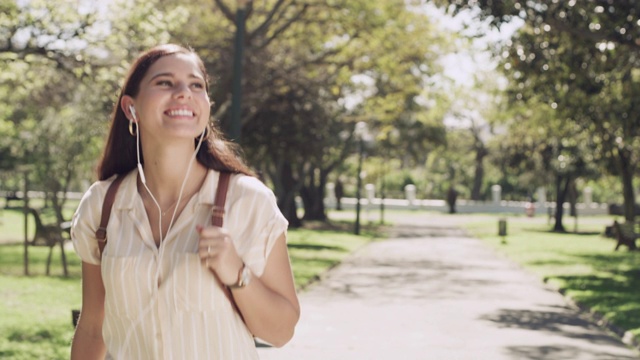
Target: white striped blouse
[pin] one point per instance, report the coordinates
(161, 302)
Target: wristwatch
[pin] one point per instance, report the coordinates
(243, 279)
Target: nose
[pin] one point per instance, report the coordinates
(182, 91)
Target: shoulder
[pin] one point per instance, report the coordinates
(98, 190)
(250, 184)
(251, 193)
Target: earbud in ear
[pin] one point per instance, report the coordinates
(133, 112)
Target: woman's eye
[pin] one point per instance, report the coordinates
(198, 85)
(164, 83)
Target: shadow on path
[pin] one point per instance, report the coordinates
(432, 292)
(560, 352)
(556, 320)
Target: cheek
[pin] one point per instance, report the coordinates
(205, 105)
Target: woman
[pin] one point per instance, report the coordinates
(158, 289)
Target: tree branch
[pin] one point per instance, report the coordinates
(230, 15)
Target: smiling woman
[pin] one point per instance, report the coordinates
(169, 282)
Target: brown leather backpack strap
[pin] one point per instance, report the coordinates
(101, 233)
(217, 216)
(217, 219)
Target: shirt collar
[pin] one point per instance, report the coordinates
(129, 190)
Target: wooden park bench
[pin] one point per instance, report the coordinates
(625, 235)
(10, 196)
(49, 235)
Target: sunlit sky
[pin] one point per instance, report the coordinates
(461, 65)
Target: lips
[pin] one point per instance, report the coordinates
(180, 112)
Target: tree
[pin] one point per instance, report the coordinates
(542, 150)
(581, 58)
(62, 68)
(302, 62)
(42, 66)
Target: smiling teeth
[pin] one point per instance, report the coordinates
(180, 113)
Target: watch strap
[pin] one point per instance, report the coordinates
(244, 277)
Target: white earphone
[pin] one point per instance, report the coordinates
(140, 170)
(144, 183)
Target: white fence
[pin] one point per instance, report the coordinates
(370, 202)
(466, 206)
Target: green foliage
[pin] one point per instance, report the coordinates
(65, 62)
(301, 65)
(576, 58)
(607, 189)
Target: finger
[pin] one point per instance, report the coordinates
(212, 248)
(211, 244)
(217, 240)
(206, 231)
(208, 251)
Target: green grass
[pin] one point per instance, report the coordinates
(582, 265)
(12, 226)
(313, 251)
(35, 310)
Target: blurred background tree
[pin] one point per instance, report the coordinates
(557, 113)
(579, 61)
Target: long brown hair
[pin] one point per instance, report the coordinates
(119, 156)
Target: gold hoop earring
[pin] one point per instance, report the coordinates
(131, 130)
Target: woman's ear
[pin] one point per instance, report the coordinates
(126, 103)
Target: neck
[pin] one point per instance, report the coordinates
(165, 170)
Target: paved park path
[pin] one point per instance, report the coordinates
(432, 292)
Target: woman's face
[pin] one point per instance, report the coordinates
(173, 100)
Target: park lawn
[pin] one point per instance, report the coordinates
(36, 309)
(12, 226)
(582, 265)
(313, 251)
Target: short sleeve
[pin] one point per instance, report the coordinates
(257, 222)
(85, 222)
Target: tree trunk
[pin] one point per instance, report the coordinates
(55, 188)
(313, 196)
(624, 157)
(562, 185)
(285, 190)
(573, 199)
(478, 179)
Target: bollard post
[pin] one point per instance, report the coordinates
(502, 229)
(410, 194)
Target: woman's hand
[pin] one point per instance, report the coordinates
(218, 253)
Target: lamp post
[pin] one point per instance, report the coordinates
(360, 133)
(236, 95)
(382, 185)
(24, 170)
(391, 140)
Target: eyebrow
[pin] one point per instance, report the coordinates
(169, 74)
